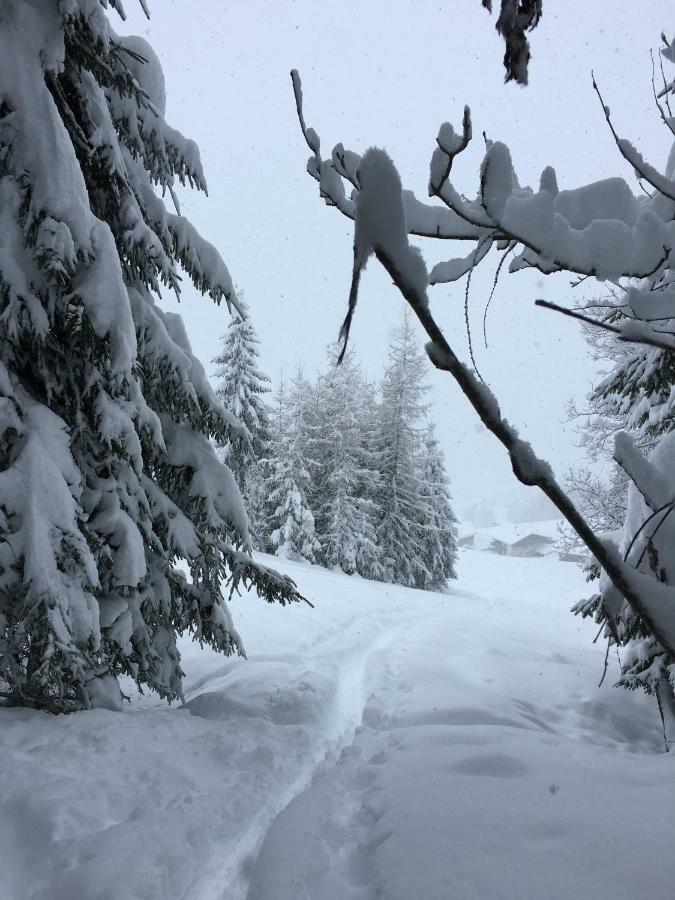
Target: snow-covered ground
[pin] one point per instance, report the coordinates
(388, 744)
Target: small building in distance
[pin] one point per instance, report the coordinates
(524, 539)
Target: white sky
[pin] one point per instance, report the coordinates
(388, 73)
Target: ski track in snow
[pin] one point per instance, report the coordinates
(228, 880)
(388, 744)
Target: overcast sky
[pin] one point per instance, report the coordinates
(387, 74)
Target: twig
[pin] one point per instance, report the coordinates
(604, 672)
(652, 536)
(642, 527)
(650, 340)
(662, 184)
(494, 288)
(466, 311)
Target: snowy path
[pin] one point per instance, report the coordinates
(389, 744)
(344, 715)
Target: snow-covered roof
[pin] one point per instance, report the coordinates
(513, 533)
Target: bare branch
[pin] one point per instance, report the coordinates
(651, 175)
(508, 250)
(639, 335)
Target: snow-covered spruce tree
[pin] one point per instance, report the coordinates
(635, 397)
(241, 390)
(344, 480)
(369, 431)
(289, 521)
(107, 474)
(602, 230)
(401, 501)
(438, 528)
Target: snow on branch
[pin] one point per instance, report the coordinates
(652, 484)
(422, 219)
(567, 222)
(644, 170)
(598, 230)
(380, 226)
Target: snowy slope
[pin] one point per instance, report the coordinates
(390, 743)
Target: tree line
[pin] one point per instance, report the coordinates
(337, 472)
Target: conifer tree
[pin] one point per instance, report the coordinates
(242, 387)
(636, 396)
(400, 494)
(438, 528)
(344, 480)
(289, 520)
(107, 472)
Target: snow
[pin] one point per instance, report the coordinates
(101, 288)
(653, 482)
(609, 198)
(32, 44)
(45, 467)
(201, 260)
(380, 223)
(662, 184)
(454, 269)
(148, 73)
(647, 304)
(389, 743)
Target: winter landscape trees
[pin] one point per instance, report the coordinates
(411, 735)
(242, 392)
(108, 475)
(288, 519)
(351, 479)
(601, 231)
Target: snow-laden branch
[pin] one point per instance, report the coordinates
(645, 170)
(381, 231)
(599, 230)
(422, 219)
